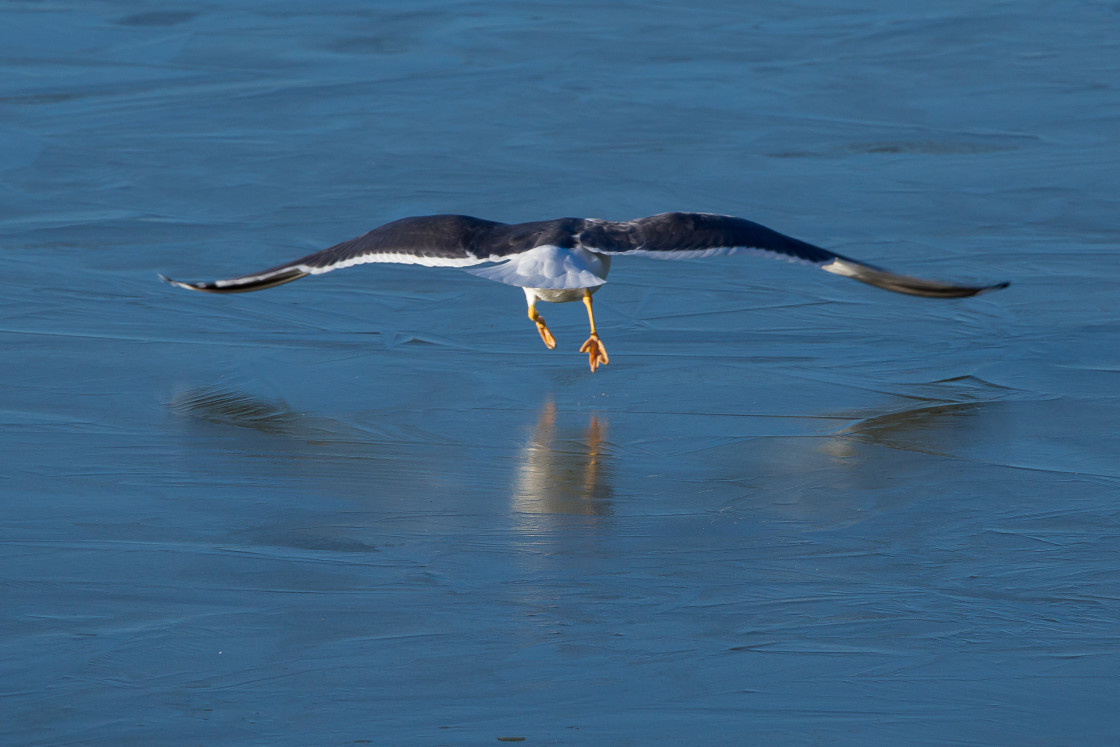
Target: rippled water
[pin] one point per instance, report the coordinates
(372, 506)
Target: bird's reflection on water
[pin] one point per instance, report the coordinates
(561, 467)
(932, 429)
(874, 462)
(563, 464)
(228, 407)
(563, 470)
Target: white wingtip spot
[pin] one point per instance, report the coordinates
(840, 267)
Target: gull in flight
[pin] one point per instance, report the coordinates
(567, 259)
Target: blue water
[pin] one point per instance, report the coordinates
(372, 507)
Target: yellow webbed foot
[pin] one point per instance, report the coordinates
(596, 352)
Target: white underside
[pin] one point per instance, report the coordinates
(550, 268)
(553, 295)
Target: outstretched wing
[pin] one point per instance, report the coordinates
(685, 235)
(436, 241)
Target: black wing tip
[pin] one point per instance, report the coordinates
(242, 284)
(975, 290)
(931, 288)
(180, 283)
(958, 291)
(204, 287)
(910, 286)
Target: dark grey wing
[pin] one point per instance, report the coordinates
(685, 235)
(434, 240)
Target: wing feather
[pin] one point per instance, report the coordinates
(435, 241)
(687, 235)
(524, 251)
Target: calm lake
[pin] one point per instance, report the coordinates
(371, 506)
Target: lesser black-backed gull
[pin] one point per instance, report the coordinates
(568, 259)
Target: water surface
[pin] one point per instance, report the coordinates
(372, 506)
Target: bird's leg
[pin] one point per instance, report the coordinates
(594, 347)
(549, 340)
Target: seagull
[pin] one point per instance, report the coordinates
(568, 259)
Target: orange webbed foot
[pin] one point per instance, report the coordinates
(549, 340)
(596, 352)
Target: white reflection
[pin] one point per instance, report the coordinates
(559, 474)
